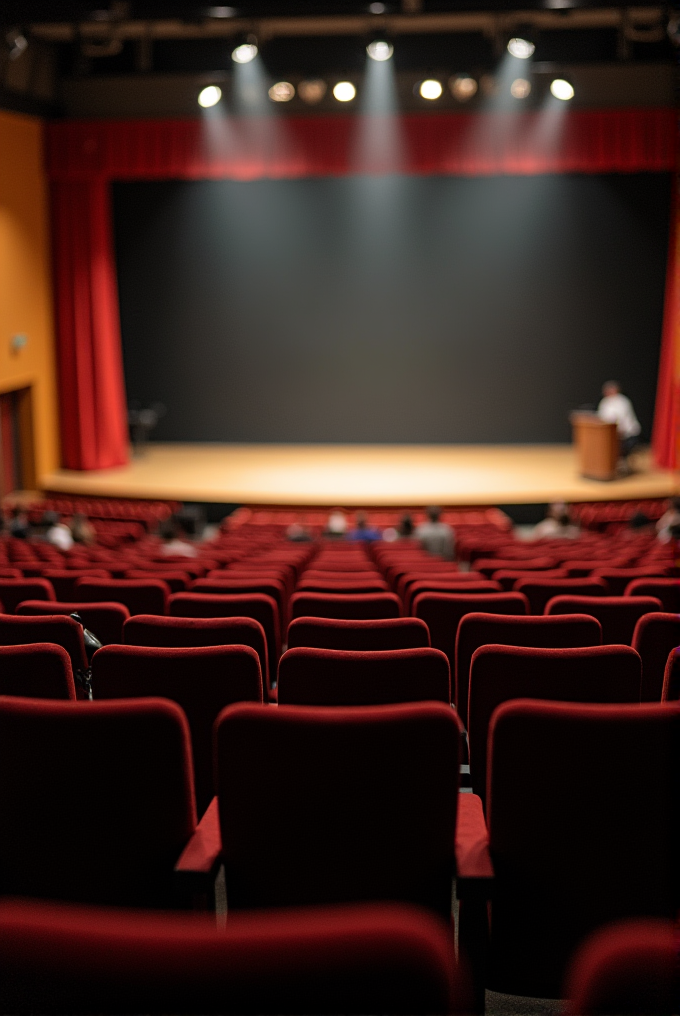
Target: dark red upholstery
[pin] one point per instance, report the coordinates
(363, 804)
(446, 585)
(334, 633)
(482, 629)
(256, 605)
(97, 799)
(443, 572)
(140, 596)
(274, 588)
(539, 591)
(671, 680)
(442, 613)
(499, 673)
(176, 581)
(666, 590)
(629, 968)
(618, 578)
(656, 635)
(19, 630)
(357, 607)
(618, 615)
(335, 585)
(506, 577)
(332, 677)
(38, 670)
(64, 580)
(488, 565)
(13, 591)
(189, 632)
(105, 620)
(202, 680)
(579, 805)
(367, 958)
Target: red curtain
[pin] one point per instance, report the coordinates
(82, 157)
(667, 410)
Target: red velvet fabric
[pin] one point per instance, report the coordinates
(140, 596)
(439, 584)
(671, 678)
(351, 606)
(177, 581)
(488, 565)
(655, 636)
(256, 605)
(366, 958)
(14, 591)
(37, 670)
(618, 578)
(666, 590)
(64, 581)
(17, 630)
(336, 633)
(105, 620)
(235, 587)
(538, 591)
(667, 408)
(617, 615)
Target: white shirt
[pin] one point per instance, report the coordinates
(60, 536)
(619, 410)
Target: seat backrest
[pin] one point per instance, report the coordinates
(64, 580)
(176, 581)
(499, 673)
(671, 679)
(202, 680)
(581, 801)
(37, 670)
(446, 585)
(105, 620)
(350, 606)
(618, 615)
(335, 585)
(337, 677)
(337, 633)
(140, 596)
(629, 967)
(14, 591)
(363, 805)
(488, 565)
(110, 786)
(235, 587)
(506, 577)
(655, 636)
(482, 629)
(191, 632)
(539, 591)
(666, 590)
(378, 958)
(19, 630)
(256, 605)
(618, 578)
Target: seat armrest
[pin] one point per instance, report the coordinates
(203, 853)
(474, 869)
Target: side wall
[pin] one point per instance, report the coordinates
(25, 280)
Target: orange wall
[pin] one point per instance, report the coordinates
(25, 280)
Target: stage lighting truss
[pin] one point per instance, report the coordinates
(281, 91)
(521, 48)
(430, 89)
(344, 91)
(462, 87)
(520, 88)
(562, 89)
(209, 96)
(380, 50)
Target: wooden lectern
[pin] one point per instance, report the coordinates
(597, 445)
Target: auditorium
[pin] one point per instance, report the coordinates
(340, 507)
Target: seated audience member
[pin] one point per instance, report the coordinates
(173, 545)
(362, 530)
(435, 536)
(616, 408)
(19, 526)
(670, 518)
(82, 530)
(557, 523)
(58, 533)
(336, 526)
(297, 533)
(402, 531)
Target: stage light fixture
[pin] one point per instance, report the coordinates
(562, 89)
(312, 91)
(520, 88)
(462, 87)
(377, 8)
(430, 89)
(344, 91)
(380, 50)
(521, 48)
(209, 96)
(244, 53)
(282, 91)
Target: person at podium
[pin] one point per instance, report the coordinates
(616, 408)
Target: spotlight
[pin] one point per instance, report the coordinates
(282, 91)
(562, 89)
(209, 96)
(463, 87)
(312, 91)
(430, 89)
(380, 50)
(520, 88)
(344, 91)
(244, 53)
(377, 8)
(521, 48)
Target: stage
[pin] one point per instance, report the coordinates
(360, 475)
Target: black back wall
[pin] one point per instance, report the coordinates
(394, 309)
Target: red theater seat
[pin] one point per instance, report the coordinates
(14, 591)
(97, 800)
(20, 630)
(452, 585)
(666, 590)
(64, 580)
(332, 677)
(140, 596)
(37, 670)
(489, 565)
(618, 578)
(370, 958)
(334, 633)
(507, 577)
(482, 629)
(105, 620)
(671, 680)
(334, 585)
(176, 581)
(274, 588)
(618, 615)
(352, 607)
(499, 673)
(256, 605)
(656, 635)
(579, 799)
(539, 591)
(201, 680)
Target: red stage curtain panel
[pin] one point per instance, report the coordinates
(83, 156)
(667, 411)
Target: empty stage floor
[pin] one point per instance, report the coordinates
(359, 475)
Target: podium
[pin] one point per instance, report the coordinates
(597, 446)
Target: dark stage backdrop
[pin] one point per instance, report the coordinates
(393, 309)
